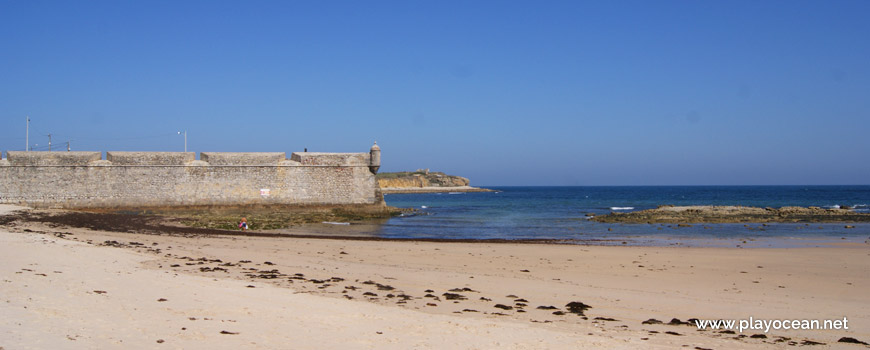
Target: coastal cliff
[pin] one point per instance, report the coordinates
(424, 181)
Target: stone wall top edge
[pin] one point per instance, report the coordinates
(133, 158)
(52, 158)
(150, 158)
(109, 164)
(315, 158)
(243, 158)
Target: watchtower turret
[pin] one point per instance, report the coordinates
(375, 162)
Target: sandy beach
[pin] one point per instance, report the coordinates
(77, 288)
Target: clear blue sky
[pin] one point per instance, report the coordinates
(506, 93)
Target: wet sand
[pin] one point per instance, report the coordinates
(88, 288)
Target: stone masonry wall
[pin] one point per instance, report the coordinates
(137, 179)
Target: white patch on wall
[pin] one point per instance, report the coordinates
(265, 192)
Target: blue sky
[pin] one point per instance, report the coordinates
(505, 93)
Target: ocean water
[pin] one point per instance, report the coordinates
(560, 213)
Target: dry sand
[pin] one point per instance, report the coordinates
(75, 288)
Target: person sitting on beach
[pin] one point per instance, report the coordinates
(244, 224)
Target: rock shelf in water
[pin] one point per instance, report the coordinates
(668, 214)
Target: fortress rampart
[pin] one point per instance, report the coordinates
(152, 179)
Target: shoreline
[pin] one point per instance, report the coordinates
(459, 189)
(146, 224)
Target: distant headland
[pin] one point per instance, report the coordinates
(424, 181)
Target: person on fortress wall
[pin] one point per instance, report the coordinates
(243, 224)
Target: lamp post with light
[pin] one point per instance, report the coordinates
(185, 139)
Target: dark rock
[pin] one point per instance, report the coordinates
(758, 336)
(504, 307)
(576, 307)
(228, 332)
(558, 313)
(652, 321)
(851, 340)
(454, 296)
(385, 287)
(605, 319)
(810, 342)
(549, 307)
(677, 322)
(673, 333)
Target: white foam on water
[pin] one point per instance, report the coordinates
(336, 223)
(423, 207)
(621, 208)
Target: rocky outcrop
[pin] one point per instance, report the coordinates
(733, 214)
(423, 181)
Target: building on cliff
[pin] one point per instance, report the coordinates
(159, 179)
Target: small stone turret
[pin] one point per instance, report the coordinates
(375, 162)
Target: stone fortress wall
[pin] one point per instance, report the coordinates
(159, 179)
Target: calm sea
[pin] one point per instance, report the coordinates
(560, 213)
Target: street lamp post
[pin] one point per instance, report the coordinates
(185, 139)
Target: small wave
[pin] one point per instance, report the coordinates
(835, 206)
(423, 207)
(336, 223)
(621, 208)
(455, 192)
